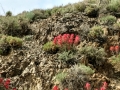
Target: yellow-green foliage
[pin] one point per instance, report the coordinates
(48, 46)
(117, 26)
(90, 1)
(80, 6)
(8, 42)
(96, 31)
(109, 19)
(115, 59)
(11, 41)
(60, 76)
(114, 6)
(14, 41)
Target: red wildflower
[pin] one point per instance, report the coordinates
(117, 48)
(59, 36)
(72, 36)
(6, 83)
(66, 89)
(64, 38)
(14, 89)
(87, 86)
(77, 40)
(68, 36)
(70, 41)
(105, 84)
(55, 40)
(59, 41)
(102, 88)
(55, 88)
(1, 80)
(6, 86)
(112, 48)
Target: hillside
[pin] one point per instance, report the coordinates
(67, 47)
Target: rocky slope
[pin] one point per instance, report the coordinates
(31, 68)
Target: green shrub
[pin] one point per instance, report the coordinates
(29, 16)
(4, 47)
(8, 42)
(60, 76)
(85, 69)
(90, 1)
(91, 11)
(11, 41)
(14, 41)
(109, 19)
(80, 6)
(55, 10)
(10, 25)
(114, 6)
(115, 59)
(67, 9)
(14, 26)
(47, 12)
(76, 77)
(8, 13)
(95, 56)
(39, 14)
(116, 26)
(66, 56)
(96, 31)
(50, 47)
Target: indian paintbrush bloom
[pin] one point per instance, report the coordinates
(59, 41)
(112, 48)
(66, 89)
(70, 41)
(1, 80)
(66, 40)
(102, 88)
(77, 40)
(55, 41)
(105, 84)
(87, 86)
(55, 87)
(72, 36)
(14, 89)
(117, 48)
(6, 83)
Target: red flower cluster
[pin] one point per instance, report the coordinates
(87, 87)
(5, 84)
(103, 87)
(57, 88)
(115, 49)
(66, 39)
